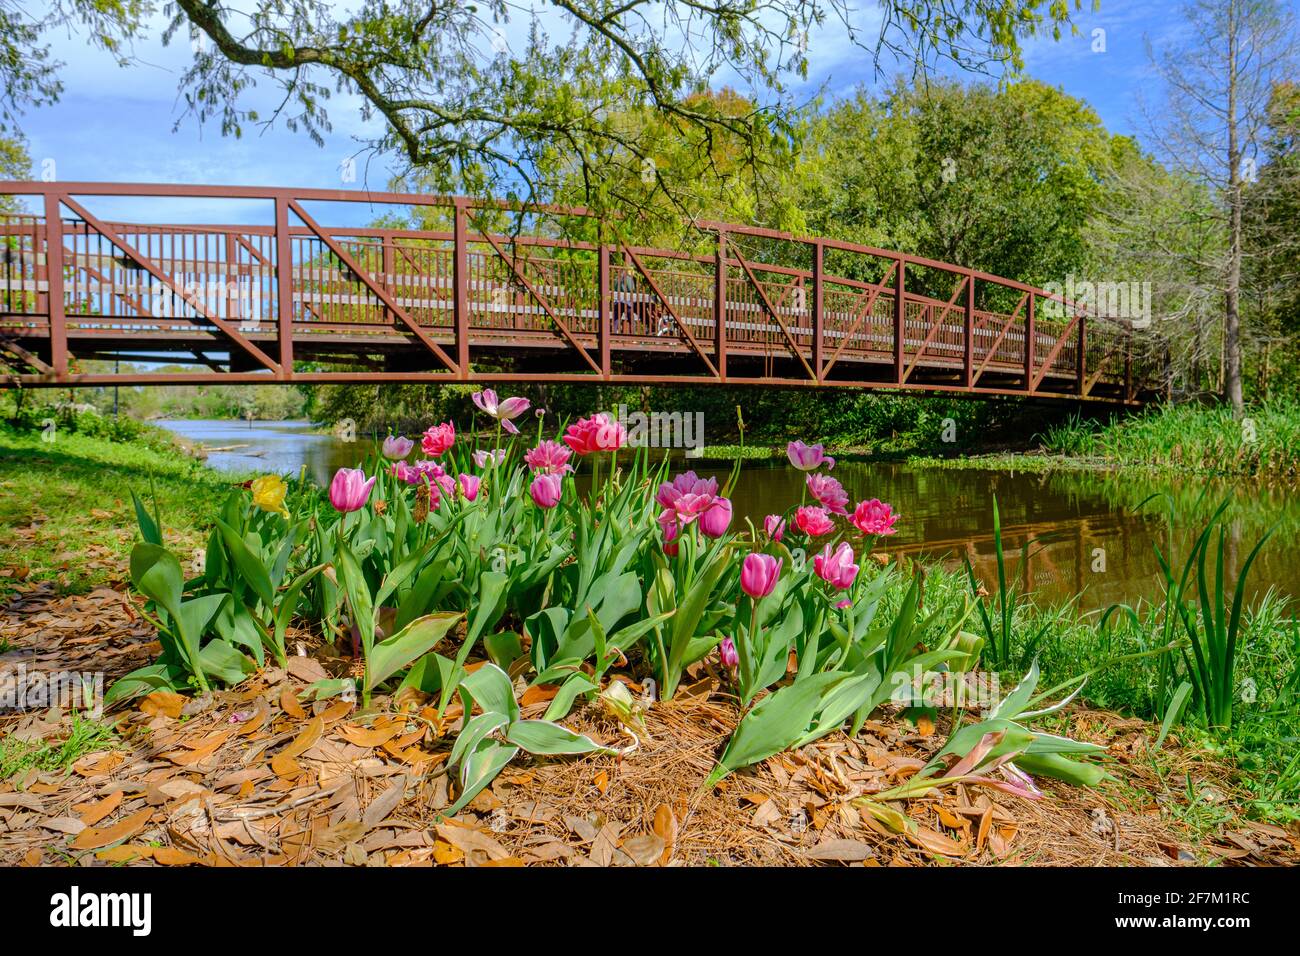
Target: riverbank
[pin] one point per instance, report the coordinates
(67, 526)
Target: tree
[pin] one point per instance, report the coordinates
(15, 163)
(1219, 83)
(999, 180)
(464, 108)
(1272, 239)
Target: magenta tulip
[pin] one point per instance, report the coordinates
(548, 458)
(836, 569)
(829, 493)
(774, 525)
(350, 489)
(813, 522)
(758, 574)
(438, 439)
(547, 490)
(469, 486)
(727, 653)
(715, 521)
(874, 517)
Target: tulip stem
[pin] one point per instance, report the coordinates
(746, 671)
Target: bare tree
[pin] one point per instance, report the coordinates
(1219, 78)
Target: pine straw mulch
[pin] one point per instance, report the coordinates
(251, 777)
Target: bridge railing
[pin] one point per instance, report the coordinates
(250, 302)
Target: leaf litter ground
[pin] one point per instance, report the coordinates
(255, 777)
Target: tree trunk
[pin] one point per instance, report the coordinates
(1232, 296)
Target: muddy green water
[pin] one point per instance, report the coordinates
(1082, 529)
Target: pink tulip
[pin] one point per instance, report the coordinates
(438, 439)
(807, 457)
(727, 654)
(671, 529)
(813, 522)
(469, 486)
(548, 458)
(687, 483)
(350, 489)
(828, 492)
(482, 458)
(837, 569)
(503, 410)
(758, 574)
(547, 490)
(774, 525)
(874, 517)
(397, 447)
(600, 432)
(715, 521)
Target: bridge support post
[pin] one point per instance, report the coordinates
(968, 334)
(900, 311)
(460, 279)
(720, 307)
(283, 287)
(1031, 342)
(1082, 363)
(54, 283)
(1128, 365)
(603, 282)
(819, 254)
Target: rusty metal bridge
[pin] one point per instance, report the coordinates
(468, 297)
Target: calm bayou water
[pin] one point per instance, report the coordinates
(1086, 537)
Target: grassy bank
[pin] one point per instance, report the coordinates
(1264, 442)
(66, 513)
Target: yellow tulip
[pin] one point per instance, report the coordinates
(269, 492)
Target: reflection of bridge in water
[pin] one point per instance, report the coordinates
(297, 301)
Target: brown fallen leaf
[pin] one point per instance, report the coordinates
(844, 851)
(92, 813)
(92, 838)
(124, 854)
(665, 826)
(284, 763)
(289, 704)
(373, 737)
(170, 856)
(162, 703)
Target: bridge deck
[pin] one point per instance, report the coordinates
(365, 304)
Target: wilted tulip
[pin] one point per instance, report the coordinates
(502, 410)
(758, 574)
(350, 489)
(807, 457)
(397, 447)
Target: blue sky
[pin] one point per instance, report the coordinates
(129, 124)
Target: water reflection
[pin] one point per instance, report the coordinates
(1083, 533)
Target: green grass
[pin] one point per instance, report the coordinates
(17, 757)
(1198, 439)
(77, 489)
